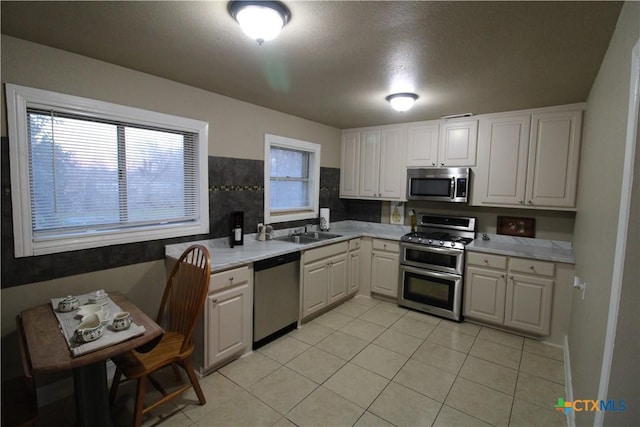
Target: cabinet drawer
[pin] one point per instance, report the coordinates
(487, 260)
(386, 245)
(324, 251)
(224, 279)
(532, 266)
(354, 244)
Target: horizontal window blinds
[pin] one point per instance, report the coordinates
(89, 174)
(289, 180)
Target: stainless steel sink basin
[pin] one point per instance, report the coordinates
(308, 237)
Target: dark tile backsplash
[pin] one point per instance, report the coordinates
(234, 185)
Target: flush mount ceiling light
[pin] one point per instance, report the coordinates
(402, 101)
(260, 20)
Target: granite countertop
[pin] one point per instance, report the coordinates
(549, 250)
(223, 257)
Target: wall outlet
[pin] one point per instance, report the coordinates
(579, 283)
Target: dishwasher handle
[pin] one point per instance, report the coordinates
(276, 261)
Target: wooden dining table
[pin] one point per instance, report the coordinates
(49, 352)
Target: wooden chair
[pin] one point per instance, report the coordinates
(182, 305)
(19, 403)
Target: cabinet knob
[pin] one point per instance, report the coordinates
(532, 267)
(486, 261)
(502, 275)
(529, 202)
(521, 202)
(214, 301)
(231, 279)
(433, 163)
(511, 277)
(442, 164)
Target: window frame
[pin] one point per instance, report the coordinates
(19, 98)
(313, 187)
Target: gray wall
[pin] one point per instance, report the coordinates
(598, 207)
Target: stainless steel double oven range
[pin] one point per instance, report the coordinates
(432, 264)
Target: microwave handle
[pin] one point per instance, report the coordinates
(452, 192)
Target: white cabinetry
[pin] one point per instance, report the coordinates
(512, 292)
(324, 277)
(228, 316)
(382, 164)
(458, 141)
(373, 163)
(385, 266)
(422, 144)
(350, 164)
(528, 160)
(354, 266)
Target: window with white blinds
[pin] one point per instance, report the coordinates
(103, 173)
(292, 179)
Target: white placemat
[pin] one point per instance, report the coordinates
(70, 321)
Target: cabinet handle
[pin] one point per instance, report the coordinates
(532, 267)
(511, 277)
(214, 301)
(231, 279)
(529, 202)
(502, 275)
(442, 164)
(433, 163)
(521, 202)
(486, 261)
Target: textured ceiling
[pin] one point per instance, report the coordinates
(335, 62)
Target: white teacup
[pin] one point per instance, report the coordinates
(88, 309)
(121, 320)
(90, 329)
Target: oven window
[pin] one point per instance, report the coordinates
(430, 258)
(432, 291)
(431, 187)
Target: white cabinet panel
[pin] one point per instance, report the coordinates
(369, 163)
(458, 142)
(422, 144)
(385, 267)
(392, 172)
(485, 294)
(501, 173)
(553, 159)
(350, 164)
(528, 305)
(228, 323)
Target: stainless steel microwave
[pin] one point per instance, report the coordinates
(438, 184)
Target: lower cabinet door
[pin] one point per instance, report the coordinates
(484, 294)
(228, 320)
(338, 277)
(384, 273)
(354, 271)
(314, 291)
(528, 305)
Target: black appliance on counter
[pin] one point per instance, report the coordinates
(432, 264)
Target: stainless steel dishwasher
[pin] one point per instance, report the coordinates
(276, 297)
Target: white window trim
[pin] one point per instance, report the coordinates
(18, 98)
(314, 175)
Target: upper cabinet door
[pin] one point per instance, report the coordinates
(350, 164)
(553, 159)
(422, 144)
(458, 141)
(503, 145)
(393, 173)
(369, 163)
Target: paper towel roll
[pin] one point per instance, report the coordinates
(324, 219)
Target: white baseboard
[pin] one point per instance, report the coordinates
(568, 385)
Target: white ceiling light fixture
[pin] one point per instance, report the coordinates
(402, 101)
(260, 20)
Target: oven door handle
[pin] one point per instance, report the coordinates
(446, 251)
(426, 272)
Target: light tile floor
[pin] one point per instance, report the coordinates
(370, 363)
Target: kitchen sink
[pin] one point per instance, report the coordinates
(308, 237)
